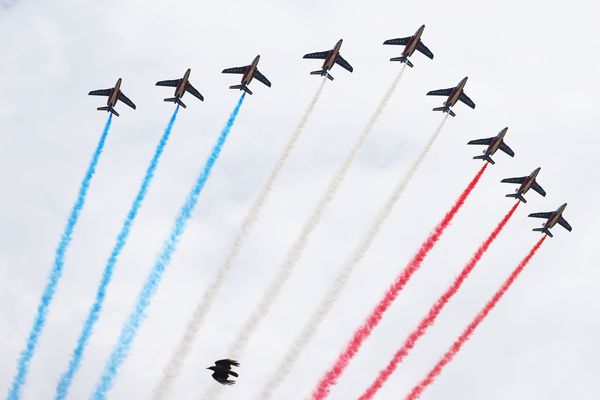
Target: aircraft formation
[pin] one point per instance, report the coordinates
(222, 370)
(330, 58)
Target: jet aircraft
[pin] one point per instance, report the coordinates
(493, 144)
(454, 94)
(553, 218)
(249, 72)
(181, 86)
(114, 94)
(412, 43)
(526, 183)
(330, 58)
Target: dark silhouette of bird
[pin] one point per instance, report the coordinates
(222, 370)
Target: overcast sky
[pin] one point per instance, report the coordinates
(532, 66)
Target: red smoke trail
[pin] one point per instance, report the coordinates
(416, 392)
(435, 310)
(364, 331)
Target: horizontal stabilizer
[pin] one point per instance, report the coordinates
(403, 59)
(517, 196)
(241, 87)
(543, 230)
(444, 109)
(109, 109)
(176, 100)
(322, 72)
(485, 157)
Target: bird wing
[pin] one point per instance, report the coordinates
(227, 363)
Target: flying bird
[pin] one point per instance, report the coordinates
(222, 370)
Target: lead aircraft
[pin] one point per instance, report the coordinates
(412, 43)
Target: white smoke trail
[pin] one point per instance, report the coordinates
(309, 330)
(184, 347)
(293, 255)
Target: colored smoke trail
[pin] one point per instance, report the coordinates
(184, 347)
(435, 310)
(364, 331)
(295, 252)
(134, 321)
(309, 330)
(56, 271)
(65, 381)
(416, 392)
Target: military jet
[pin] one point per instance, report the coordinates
(493, 144)
(222, 370)
(114, 94)
(249, 72)
(181, 86)
(454, 95)
(526, 183)
(331, 57)
(412, 43)
(553, 217)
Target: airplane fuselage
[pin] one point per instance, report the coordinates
(249, 74)
(555, 216)
(495, 145)
(114, 95)
(455, 94)
(526, 185)
(411, 46)
(182, 86)
(332, 56)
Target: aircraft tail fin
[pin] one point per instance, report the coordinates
(485, 157)
(444, 109)
(543, 230)
(517, 196)
(109, 109)
(175, 100)
(241, 87)
(322, 72)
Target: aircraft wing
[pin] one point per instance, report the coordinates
(465, 99)
(545, 215)
(343, 63)
(440, 92)
(192, 90)
(482, 141)
(236, 70)
(261, 78)
(101, 92)
(563, 222)
(536, 186)
(504, 147)
(125, 100)
(518, 181)
(321, 55)
(399, 41)
(423, 49)
(172, 83)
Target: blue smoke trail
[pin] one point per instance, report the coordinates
(56, 272)
(65, 381)
(132, 324)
